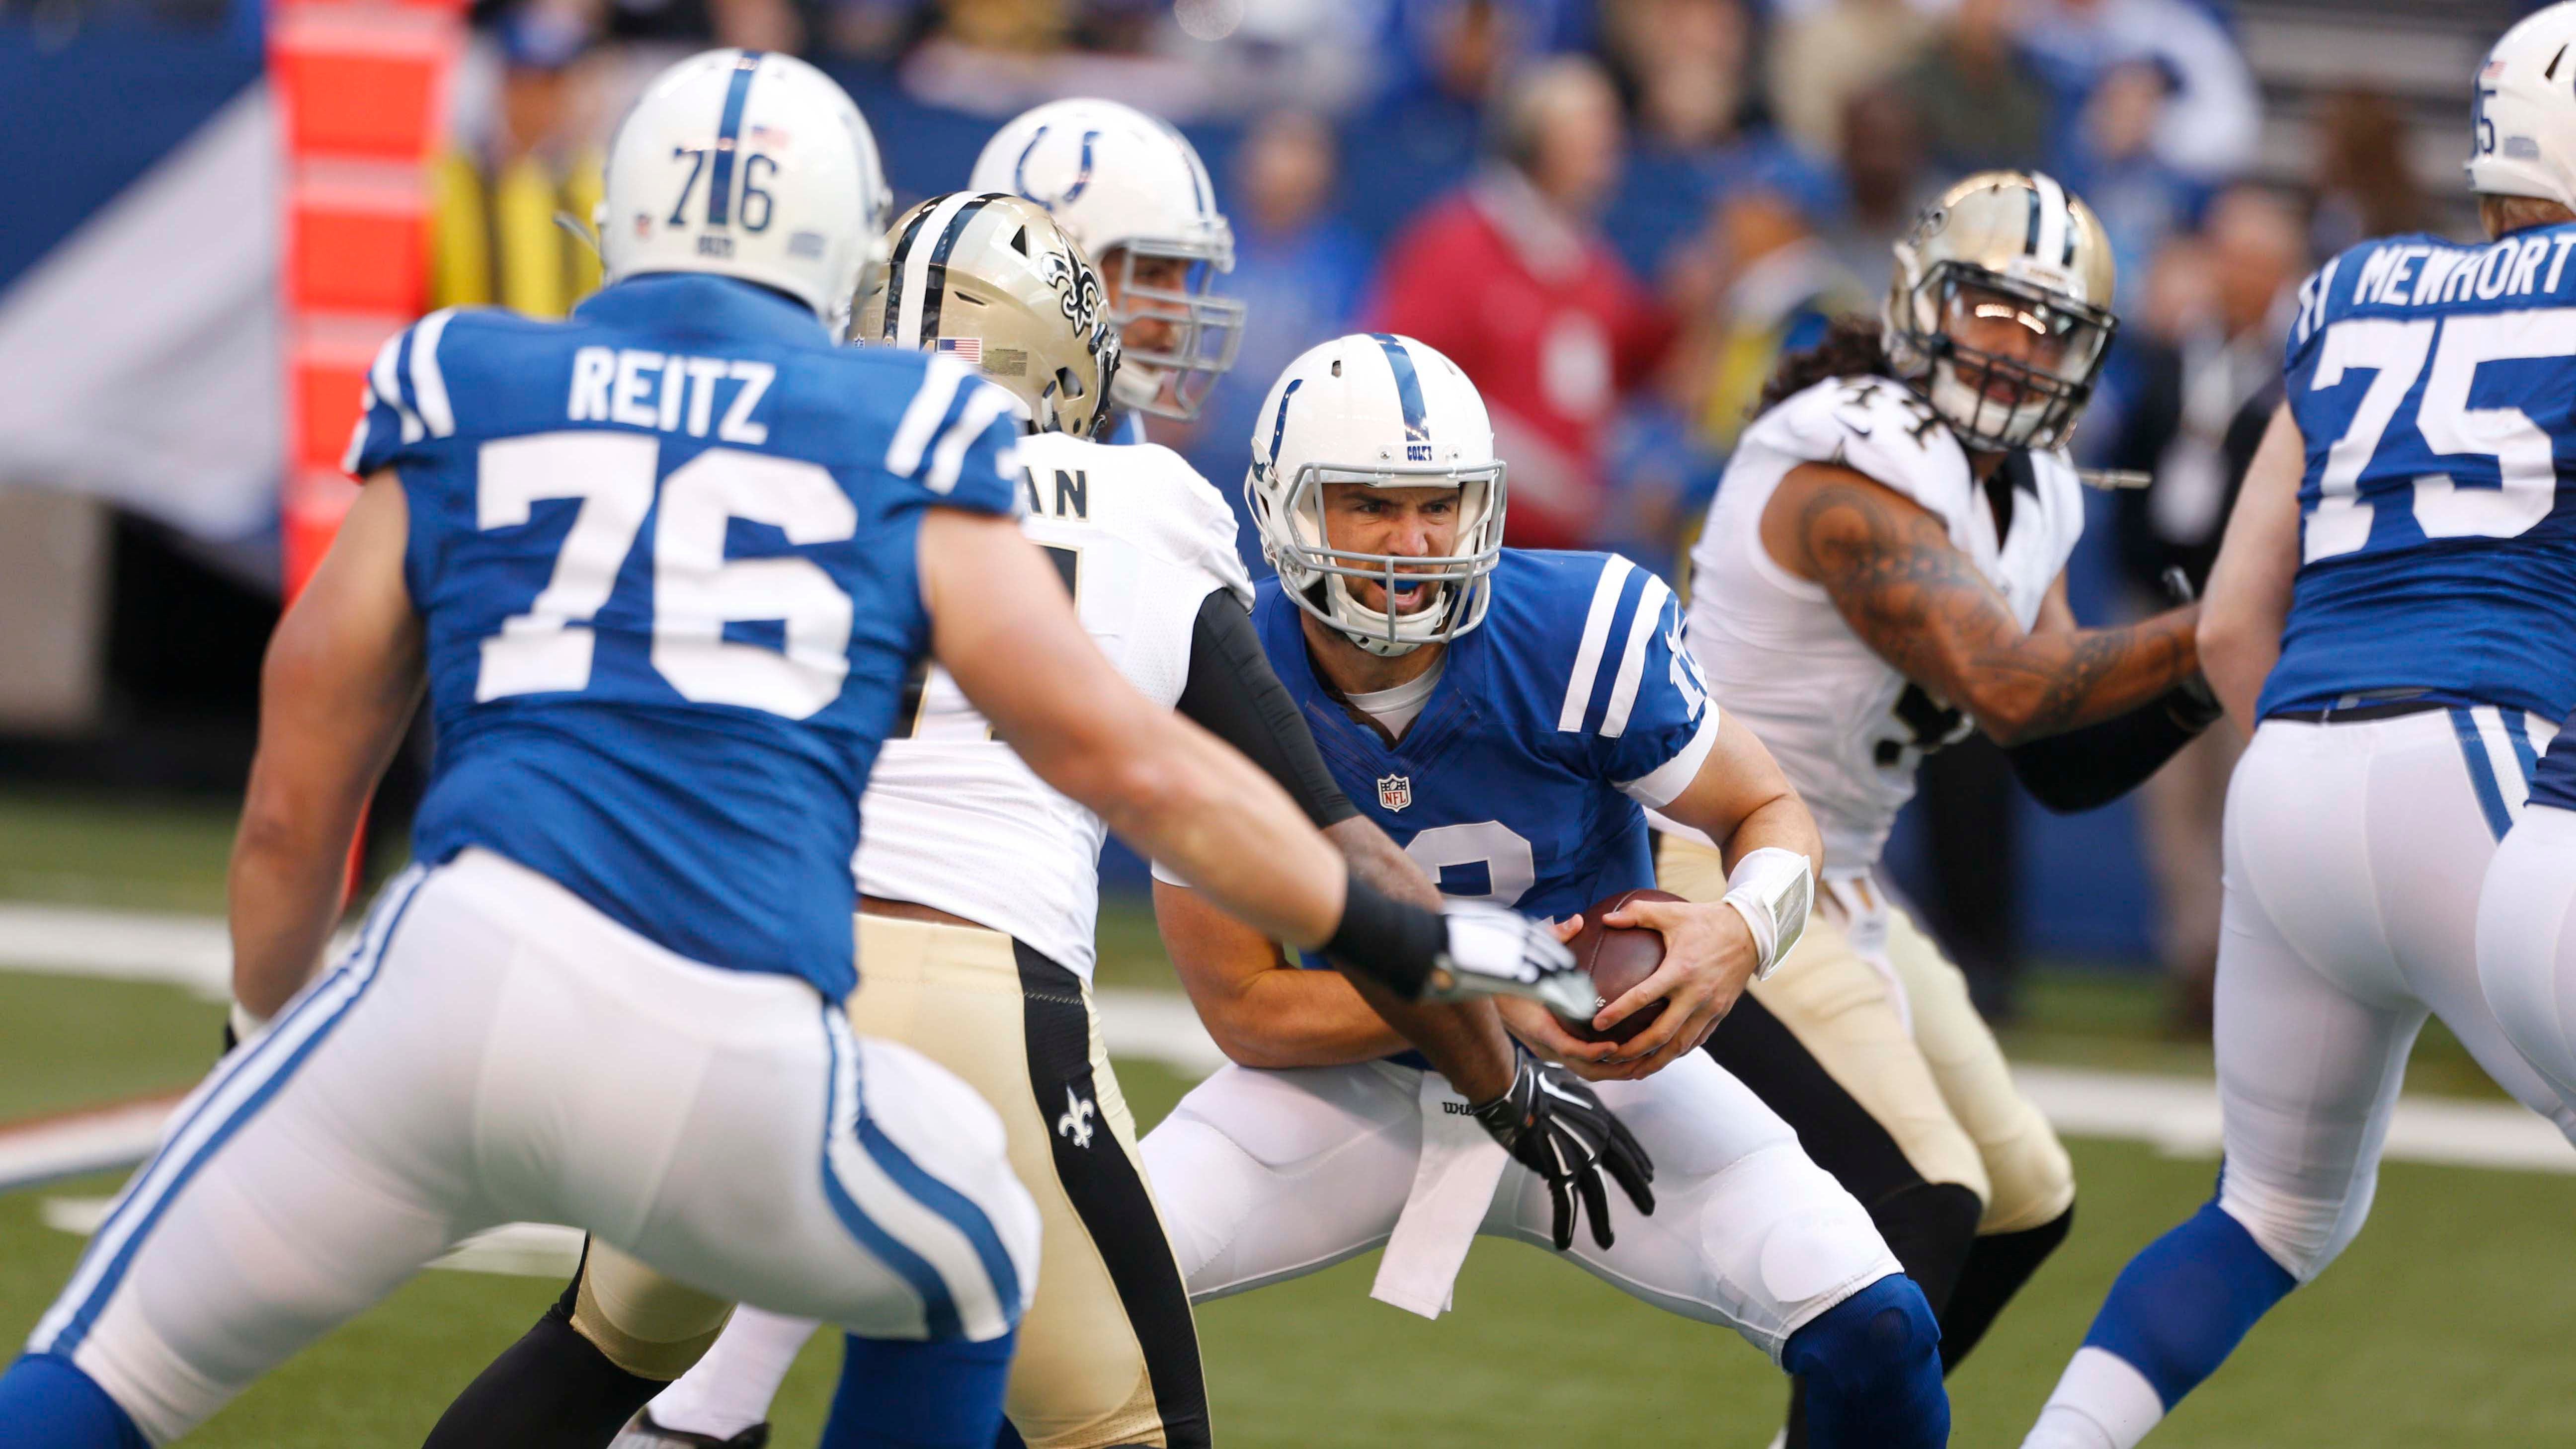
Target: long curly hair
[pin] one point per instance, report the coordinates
(1852, 346)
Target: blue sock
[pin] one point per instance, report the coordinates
(2185, 1302)
(1872, 1366)
(48, 1404)
(901, 1395)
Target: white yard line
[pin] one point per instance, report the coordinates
(2178, 1115)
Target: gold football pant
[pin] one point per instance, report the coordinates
(1872, 1001)
(1108, 1352)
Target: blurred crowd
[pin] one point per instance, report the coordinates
(1614, 213)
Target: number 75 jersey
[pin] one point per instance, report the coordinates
(664, 558)
(2434, 386)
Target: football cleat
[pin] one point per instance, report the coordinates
(644, 1433)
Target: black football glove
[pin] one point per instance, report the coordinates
(2192, 705)
(1553, 1124)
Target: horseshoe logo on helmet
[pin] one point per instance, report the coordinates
(1081, 176)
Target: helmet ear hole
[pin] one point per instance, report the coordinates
(1067, 383)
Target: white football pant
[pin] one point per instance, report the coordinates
(494, 1050)
(2355, 854)
(1269, 1175)
(2527, 942)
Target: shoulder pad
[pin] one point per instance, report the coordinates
(1874, 426)
(1145, 493)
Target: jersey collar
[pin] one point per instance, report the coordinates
(720, 307)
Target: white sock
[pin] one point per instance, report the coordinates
(2102, 1402)
(730, 1389)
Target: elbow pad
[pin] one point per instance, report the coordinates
(1772, 889)
(2091, 767)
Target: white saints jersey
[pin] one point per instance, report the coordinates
(1846, 727)
(952, 818)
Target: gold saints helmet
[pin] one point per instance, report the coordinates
(992, 280)
(2000, 310)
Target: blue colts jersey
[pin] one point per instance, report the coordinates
(1520, 782)
(2435, 388)
(2553, 781)
(664, 558)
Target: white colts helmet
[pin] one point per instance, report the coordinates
(744, 163)
(1127, 187)
(2523, 127)
(1387, 412)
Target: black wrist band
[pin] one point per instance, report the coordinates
(1386, 940)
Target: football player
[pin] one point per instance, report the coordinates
(2393, 615)
(978, 894)
(1506, 714)
(662, 571)
(1881, 572)
(1131, 192)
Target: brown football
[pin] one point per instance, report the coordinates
(1618, 957)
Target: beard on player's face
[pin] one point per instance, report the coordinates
(1397, 522)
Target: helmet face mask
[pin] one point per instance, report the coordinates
(1998, 312)
(1198, 331)
(1320, 575)
(993, 280)
(1377, 411)
(1132, 193)
(1995, 401)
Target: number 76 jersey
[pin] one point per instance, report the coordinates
(2434, 386)
(663, 554)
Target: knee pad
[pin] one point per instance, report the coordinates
(1872, 1369)
(644, 1323)
(2031, 1180)
(2300, 1233)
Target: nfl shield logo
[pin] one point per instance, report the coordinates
(1394, 792)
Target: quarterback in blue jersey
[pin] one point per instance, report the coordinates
(661, 571)
(2393, 616)
(1506, 716)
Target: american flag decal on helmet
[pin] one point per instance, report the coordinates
(968, 349)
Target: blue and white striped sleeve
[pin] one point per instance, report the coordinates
(959, 439)
(1636, 692)
(406, 402)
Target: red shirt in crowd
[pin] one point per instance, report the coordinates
(1550, 326)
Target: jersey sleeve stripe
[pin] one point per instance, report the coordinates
(1667, 782)
(428, 382)
(983, 405)
(385, 378)
(1643, 625)
(922, 417)
(358, 431)
(1596, 634)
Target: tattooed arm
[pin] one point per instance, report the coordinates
(1911, 595)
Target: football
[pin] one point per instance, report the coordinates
(1618, 957)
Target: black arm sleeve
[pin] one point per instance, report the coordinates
(1233, 695)
(2093, 766)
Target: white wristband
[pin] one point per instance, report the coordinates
(1772, 889)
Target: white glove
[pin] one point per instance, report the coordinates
(1495, 951)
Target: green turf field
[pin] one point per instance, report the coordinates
(2446, 1324)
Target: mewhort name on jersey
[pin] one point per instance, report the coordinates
(664, 556)
(2434, 386)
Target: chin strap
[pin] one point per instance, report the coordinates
(1772, 889)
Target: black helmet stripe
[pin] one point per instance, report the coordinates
(937, 277)
(894, 277)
